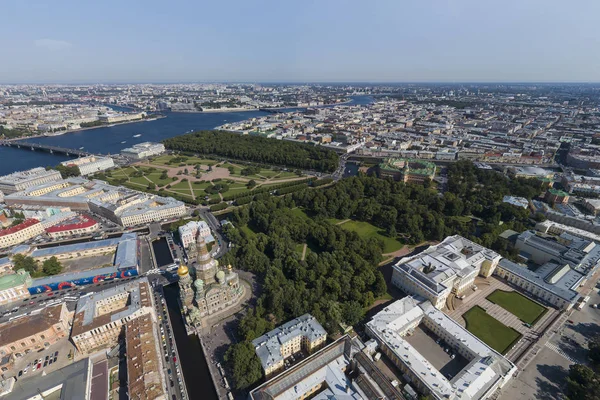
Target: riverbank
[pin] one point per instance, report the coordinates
(88, 128)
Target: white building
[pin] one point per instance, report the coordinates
(143, 150)
(486, 371)
(139, 209)
(449, 267)
(190, 231)
(90, 164)
(22, 180)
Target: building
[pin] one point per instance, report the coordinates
(554, 196)
(22, 180)
(407, 169)
(139, 209)
(447, 268)
(121, 205)
(145, 380)
(582, 255)
(552, 283)
(592, 206)
(300, 334)
(87, 249)
(90, 164)
(531, 172)
(143, 150)
(189, 232)
(206, 289)
(37, 330)
(6, 266)
(111, 118)
(13, 287)
(556, 228)
(26, 230)
(77, 225)
(72, 280)
(582, 185)
(516, 201)
(486, 371)
(101, 317)
(341, 370)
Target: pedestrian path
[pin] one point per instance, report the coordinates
(557, 350)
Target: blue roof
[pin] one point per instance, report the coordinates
(5, 261)
(48, 280)
(71, 248)
(126, 256)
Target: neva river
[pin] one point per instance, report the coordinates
(109, 140)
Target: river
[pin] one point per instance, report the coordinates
(111, 140)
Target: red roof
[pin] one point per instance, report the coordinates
(25, 224)
(84, 222)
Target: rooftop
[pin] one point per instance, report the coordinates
(408, 165)
(77, 222)
(268, 346)
(29, 325)
(86, 314)
(19, 278)
(23, 225)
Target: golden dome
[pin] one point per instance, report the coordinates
(182, 270)
(229, 267)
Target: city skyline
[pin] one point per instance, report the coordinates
(332, 42)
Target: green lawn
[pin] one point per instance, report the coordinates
(520, 306)
(155, 177)
(487, 328)
(299, 212)
(365, 230)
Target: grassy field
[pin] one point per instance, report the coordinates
(520, 306)
(164, 160)
(365, 230)
(487, 328)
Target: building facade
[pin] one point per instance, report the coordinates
(407, 170)
(26, 230)
(101, 317)
(78, 225)
(447, 268)
(143, 150)
(190, 231)
(90, 164)
(34, 332)
(300, 334)
(485, 372)
(22, 180)
(13, 287)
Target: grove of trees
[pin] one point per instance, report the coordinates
(255, 149)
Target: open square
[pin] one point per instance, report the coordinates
(494, 333)
(525, 309)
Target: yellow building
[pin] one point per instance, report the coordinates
(301, 334)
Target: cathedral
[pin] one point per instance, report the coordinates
(206, 289)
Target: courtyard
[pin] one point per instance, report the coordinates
(491, 331)
(527, 310)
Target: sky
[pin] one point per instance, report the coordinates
(75, 41)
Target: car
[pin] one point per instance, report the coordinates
(172, 384)
(174, 359)
(45, 364)
(20, 373)
(54, 359)
(47, 358)
(50, 362)
(570, 321)
(56, 354)
(39, 366)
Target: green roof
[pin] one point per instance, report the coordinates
(13, 280)
(557, 192)
(393, 165)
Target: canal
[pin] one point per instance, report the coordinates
(193, 364)
(162, 252)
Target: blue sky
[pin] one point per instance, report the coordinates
(303, 41)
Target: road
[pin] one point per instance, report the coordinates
(172, 370)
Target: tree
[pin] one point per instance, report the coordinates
(594, 350)
(582, 383)
(251, 184)
(151, 186)
(68, 171)
(27, 263)
(52, 266)
(244, 364)
(352, 312)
